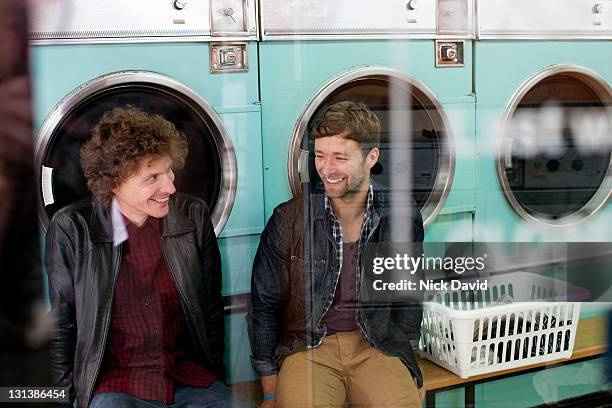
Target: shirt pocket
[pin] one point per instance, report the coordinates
(302, 272)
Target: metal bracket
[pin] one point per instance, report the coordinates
(303, 166)
(450, 53)
(228, 57)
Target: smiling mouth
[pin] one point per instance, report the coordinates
(334, 180)
(162, 200)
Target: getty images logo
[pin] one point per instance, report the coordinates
(405, 262)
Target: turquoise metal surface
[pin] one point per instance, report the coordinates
(547, 386)
(500, 70)
(238, 350)
(58, 70)
(292, 72)
(237, 254)
(247, 215)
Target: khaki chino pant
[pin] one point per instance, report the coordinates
(345, 369)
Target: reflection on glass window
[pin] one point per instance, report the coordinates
(560, 153)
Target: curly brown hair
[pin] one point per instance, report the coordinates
(121, 139)
(351, 120)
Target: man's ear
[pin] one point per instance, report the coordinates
(372, 157)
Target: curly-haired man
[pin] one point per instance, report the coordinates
(135, 276)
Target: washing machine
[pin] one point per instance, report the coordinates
(544, 138)
(542, 78)
(410, 62)
(195, 63)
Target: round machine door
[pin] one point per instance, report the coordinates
(416, 153)
(554, 159)
(210, 168)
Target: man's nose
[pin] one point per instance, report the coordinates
(328, 167)
(168, 185)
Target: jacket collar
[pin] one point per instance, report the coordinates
(101, 224)
(176, 222)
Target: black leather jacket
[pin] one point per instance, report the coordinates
(82, 265)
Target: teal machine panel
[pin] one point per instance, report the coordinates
(542, 82)
(233, 97)
(558, 86)
(543, 123)
(84, 65)
(544, 156)
(425, 103)
(296, 86)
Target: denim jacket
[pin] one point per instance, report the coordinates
(295, 274)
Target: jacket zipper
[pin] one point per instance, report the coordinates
(106, 325)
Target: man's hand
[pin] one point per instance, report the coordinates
(421, 391)
(269, 403)
(268, 385)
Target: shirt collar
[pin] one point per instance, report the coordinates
(120, 233)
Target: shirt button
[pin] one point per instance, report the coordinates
(146, 302)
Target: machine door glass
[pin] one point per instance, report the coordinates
(557, 156)
(209, 165)
(415, 152)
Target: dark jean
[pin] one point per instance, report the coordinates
(218, 395)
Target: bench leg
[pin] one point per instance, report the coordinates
(470, 396)
(430, 399)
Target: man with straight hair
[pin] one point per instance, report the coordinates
(135, 277)
(318, 339)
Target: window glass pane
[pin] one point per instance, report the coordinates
(558, 162)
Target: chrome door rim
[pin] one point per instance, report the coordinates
(225, 147)
(446, 169)
(504, 150)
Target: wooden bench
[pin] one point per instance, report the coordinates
(590, 343)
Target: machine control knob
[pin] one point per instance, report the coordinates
(598, 8)
(179, 4)
(411, 5)
(228, 57)
(450, 54)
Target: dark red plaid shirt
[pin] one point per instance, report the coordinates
(148, 346)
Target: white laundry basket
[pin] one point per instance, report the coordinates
(478, 332)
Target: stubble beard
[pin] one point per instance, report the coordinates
(348, 194)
